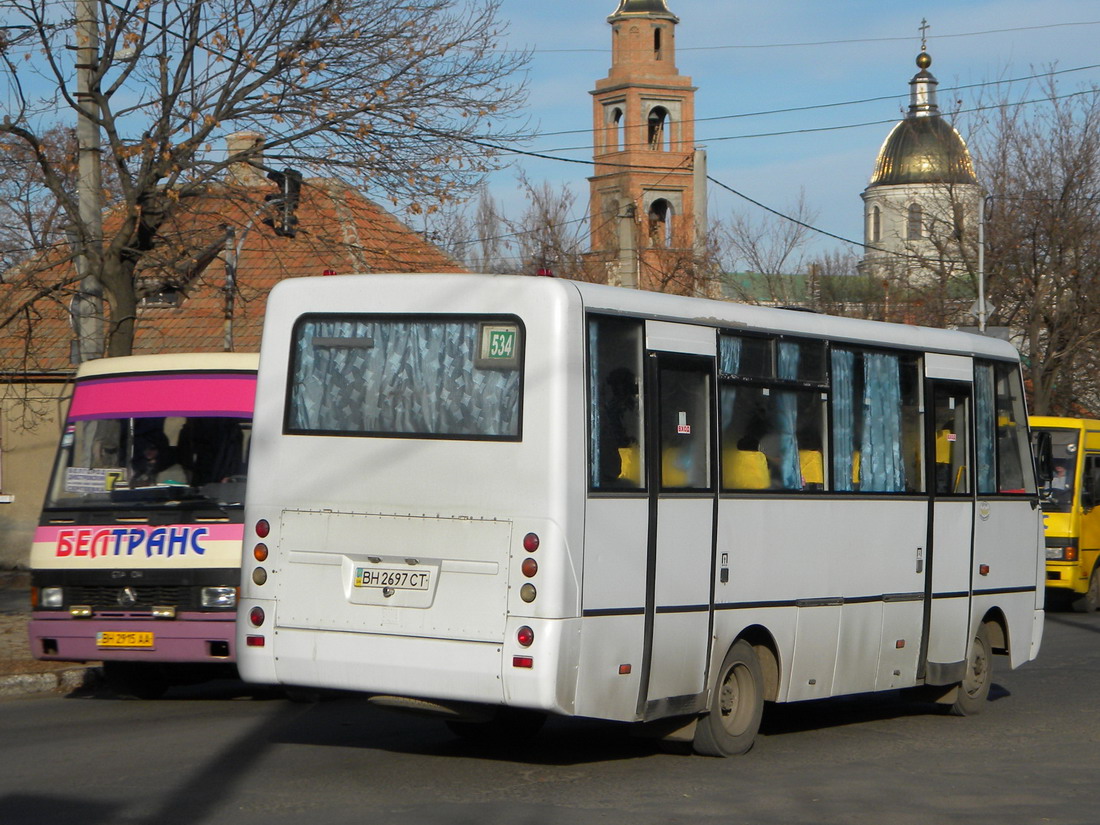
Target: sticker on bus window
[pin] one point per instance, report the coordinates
(498, 347)
(93, 479)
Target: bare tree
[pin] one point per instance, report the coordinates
(1041, 165)
(549, 234)
(401, 97)
(770, 248)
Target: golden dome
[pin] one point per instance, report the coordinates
(923, 148)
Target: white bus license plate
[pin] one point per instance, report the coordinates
(389, 577)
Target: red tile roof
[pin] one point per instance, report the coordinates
(338, 231)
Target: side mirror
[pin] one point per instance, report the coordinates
(1044, 458)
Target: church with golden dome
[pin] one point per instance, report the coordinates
(922, 204)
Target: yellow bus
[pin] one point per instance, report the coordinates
(1072, 518)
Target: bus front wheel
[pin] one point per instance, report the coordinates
(1089, 601)
(973, 690)
(736, 705)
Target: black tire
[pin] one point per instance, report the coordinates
(1089, 601)
(135, 680)
(507, 726)
(973, 690)
(736, 705)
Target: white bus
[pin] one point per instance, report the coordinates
(504, 497)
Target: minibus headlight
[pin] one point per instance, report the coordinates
(51, 597)
(1061, 550)
(219, 597)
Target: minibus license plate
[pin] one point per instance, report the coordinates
(124, 638)
(390, 577)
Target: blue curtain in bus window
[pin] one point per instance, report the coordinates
(844, 419)
(787, 418)
(594, 396)
(985, 442)
(729, 361)
(400, 377)
(881, 467)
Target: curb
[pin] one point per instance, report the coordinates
(54, 681)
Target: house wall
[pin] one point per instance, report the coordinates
(31, 417)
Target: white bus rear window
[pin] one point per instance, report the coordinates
(429, 378)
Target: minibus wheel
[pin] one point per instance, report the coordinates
(736, 705)
(974, 688)
(1089, 601)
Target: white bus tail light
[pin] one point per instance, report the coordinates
(256, 616)
(259, 575)
(528, 593)
(525, 636)
(531, 542)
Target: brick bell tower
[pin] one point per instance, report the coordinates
(643, 209)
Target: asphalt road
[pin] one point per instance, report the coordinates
(221, 754)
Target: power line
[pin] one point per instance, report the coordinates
(839, 42)
(842, 103)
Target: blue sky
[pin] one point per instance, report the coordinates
(751, 57)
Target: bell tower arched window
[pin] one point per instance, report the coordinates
(875, 230)
(660, 224)
(657, 125)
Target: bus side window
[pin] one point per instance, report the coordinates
(1090, 484)
(616, 455)
(876, 422)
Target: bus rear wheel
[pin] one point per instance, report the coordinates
(973, 690)
(736, 705)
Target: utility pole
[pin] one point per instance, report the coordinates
(87, 304)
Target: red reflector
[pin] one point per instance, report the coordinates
(531, 542)
(899, 644)
(624, 670)
(523, 661)
(983, 569)
(262, 528)
(254, 641)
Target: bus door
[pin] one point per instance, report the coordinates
(950, 517)
(680, 437)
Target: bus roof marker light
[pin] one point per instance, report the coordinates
(531, 542)
(263, 528)
(525, 636)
